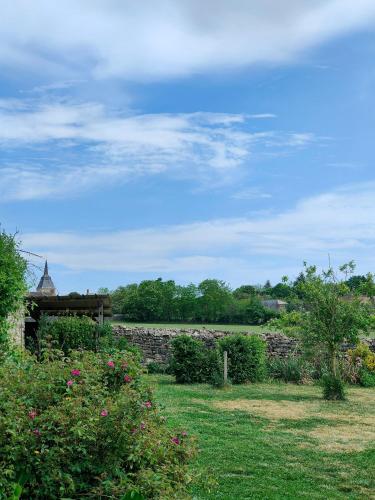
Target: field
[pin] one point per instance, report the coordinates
(226, 328)
(275, 441)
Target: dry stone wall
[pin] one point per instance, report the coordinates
(154, 343)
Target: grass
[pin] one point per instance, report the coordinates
(275, 441)
(198, 326)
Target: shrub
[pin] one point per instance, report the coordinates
(85, 427)
(187, 362)
(289, 323)
(366, 378)
(192, 362)
(73, 332)
(154, 367)
(290, 369)
(333, 387)
(246, 358)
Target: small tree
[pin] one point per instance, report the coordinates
(331, 319)
(12, 282)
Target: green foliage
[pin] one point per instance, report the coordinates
(193, 363)
(85, 427)
(187, 361)
(12, 283)
(154, 367)
(246, 358)
(67, 332)
(366, 378)
(290, 369)
(289, 323)
(214, 300)
(331, 319)
(333, 387)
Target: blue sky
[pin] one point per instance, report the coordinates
(231, 139)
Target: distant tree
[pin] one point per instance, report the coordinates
(355, 282)
(186, 302)
(214, 298)
(281, 291)
(267, 285)
(244, 292)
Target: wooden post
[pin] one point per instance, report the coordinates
(225, 367)
(101, 314)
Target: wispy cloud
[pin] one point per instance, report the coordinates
(93, 146)
(153, 40)
(340, 223)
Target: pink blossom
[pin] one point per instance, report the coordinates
(69, 383)
(175, 440)
(134, 430)
(148, 404)
(111, 364)
(142, 426)
(32, 414)
(127, 378)
(36, 432)
(104, 413)
(76, 373)
(184, 433)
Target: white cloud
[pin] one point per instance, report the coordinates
(340, 223)
(94, 146)
(151, 40)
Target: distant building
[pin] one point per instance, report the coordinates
(46, 286)
(275, 304)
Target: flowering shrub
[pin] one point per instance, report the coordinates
(85, 427)
(362, 362)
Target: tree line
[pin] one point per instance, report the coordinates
(211, 301)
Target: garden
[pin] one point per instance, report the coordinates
(82, 417)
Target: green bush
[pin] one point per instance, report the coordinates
(246, 358)
(159, 368)
(366, 378)
(290, 369)
(193, 363)
(85, 427)
(333, 387)
(187, 361)
(73, 332)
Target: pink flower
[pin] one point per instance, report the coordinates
(69, 383)
(148, 404)
(184, 433)
(134, 430)
(111, 364)
(32, 414)
(36, 432)
(104, 413)
(76, 373)
(127, 378)
(175, 440)
(142, 426)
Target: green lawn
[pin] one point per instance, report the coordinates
(227, 328)
(275, 441)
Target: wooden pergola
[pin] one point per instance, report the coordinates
(95, 306)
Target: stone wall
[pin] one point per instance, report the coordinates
(17, 327)
(155, 343)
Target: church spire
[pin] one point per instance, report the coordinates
(46, 286)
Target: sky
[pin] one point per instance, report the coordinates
(188, 140)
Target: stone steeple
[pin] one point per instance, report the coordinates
(46, 286)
